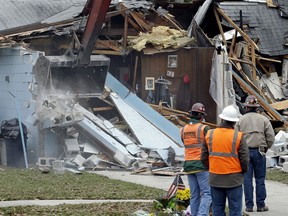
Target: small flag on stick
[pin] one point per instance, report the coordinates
(177, 184)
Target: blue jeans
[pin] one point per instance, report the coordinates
(234, 196)
(257, 166)
(200, 200)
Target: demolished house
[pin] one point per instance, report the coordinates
(58, 94)
(251, 46)
(253, 34)
(93, 115)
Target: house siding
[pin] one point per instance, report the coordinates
(15, 76)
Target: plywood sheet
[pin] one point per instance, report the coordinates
(280, 105)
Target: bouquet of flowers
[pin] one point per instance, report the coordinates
(176, 204)
(183, 198)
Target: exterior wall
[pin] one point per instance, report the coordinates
(194, 62)
(15, 76)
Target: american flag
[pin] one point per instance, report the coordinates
(177, 184)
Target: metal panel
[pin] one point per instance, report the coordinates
(151, 137)
(111, 129)
(144, 109)
(105, 142)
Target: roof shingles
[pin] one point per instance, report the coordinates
(264, 23)
(20, 13)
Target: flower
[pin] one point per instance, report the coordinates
(183, 194)
(176, 204)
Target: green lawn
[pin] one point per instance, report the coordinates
(277, 175)
(31, 184)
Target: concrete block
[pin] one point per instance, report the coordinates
(271, 161)
(79, 160)
(280, 148)
(46, 161)
(125, 159)
(71, 147)
(139, 165)
(281, 136)
(285, 167)
(58, 167)
(283, 159)
(92, 161)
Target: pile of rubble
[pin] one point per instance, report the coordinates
(138, 138)
(278, 154)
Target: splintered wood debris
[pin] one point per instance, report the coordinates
(253, 73)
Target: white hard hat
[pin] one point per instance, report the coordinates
(229, 113)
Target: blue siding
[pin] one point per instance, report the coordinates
(16, 64)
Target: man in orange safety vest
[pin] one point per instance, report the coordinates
(226, 154)
(192, 135)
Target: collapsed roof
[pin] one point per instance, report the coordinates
(263, 24)
(124, 20)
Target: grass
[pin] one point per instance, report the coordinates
(103, 209)
(31, 184)
(21, 184)
(277, 175)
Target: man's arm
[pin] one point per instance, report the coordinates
(269, 133)
(243, 154)
(206, 129)
(181, 133)
(205, 155)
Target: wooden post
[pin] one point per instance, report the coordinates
(125, 31)
(233, 44)
(135, 73)
(253, 58)
(220, 27)
(262, 101)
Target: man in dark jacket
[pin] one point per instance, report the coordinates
(259, 135)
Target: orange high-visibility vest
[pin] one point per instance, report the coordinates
(193, 138)
(223, 145)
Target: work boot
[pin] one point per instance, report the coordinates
(249, 209)
(262, 209)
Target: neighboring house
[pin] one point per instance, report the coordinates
(257, 53)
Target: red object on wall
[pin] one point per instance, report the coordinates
(126, 77)
(186, 79)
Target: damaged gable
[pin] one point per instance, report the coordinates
(261, 23)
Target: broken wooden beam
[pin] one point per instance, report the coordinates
(261, 100)
(244, 35)
(220, 27)
(98, 109)
(100, 44)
